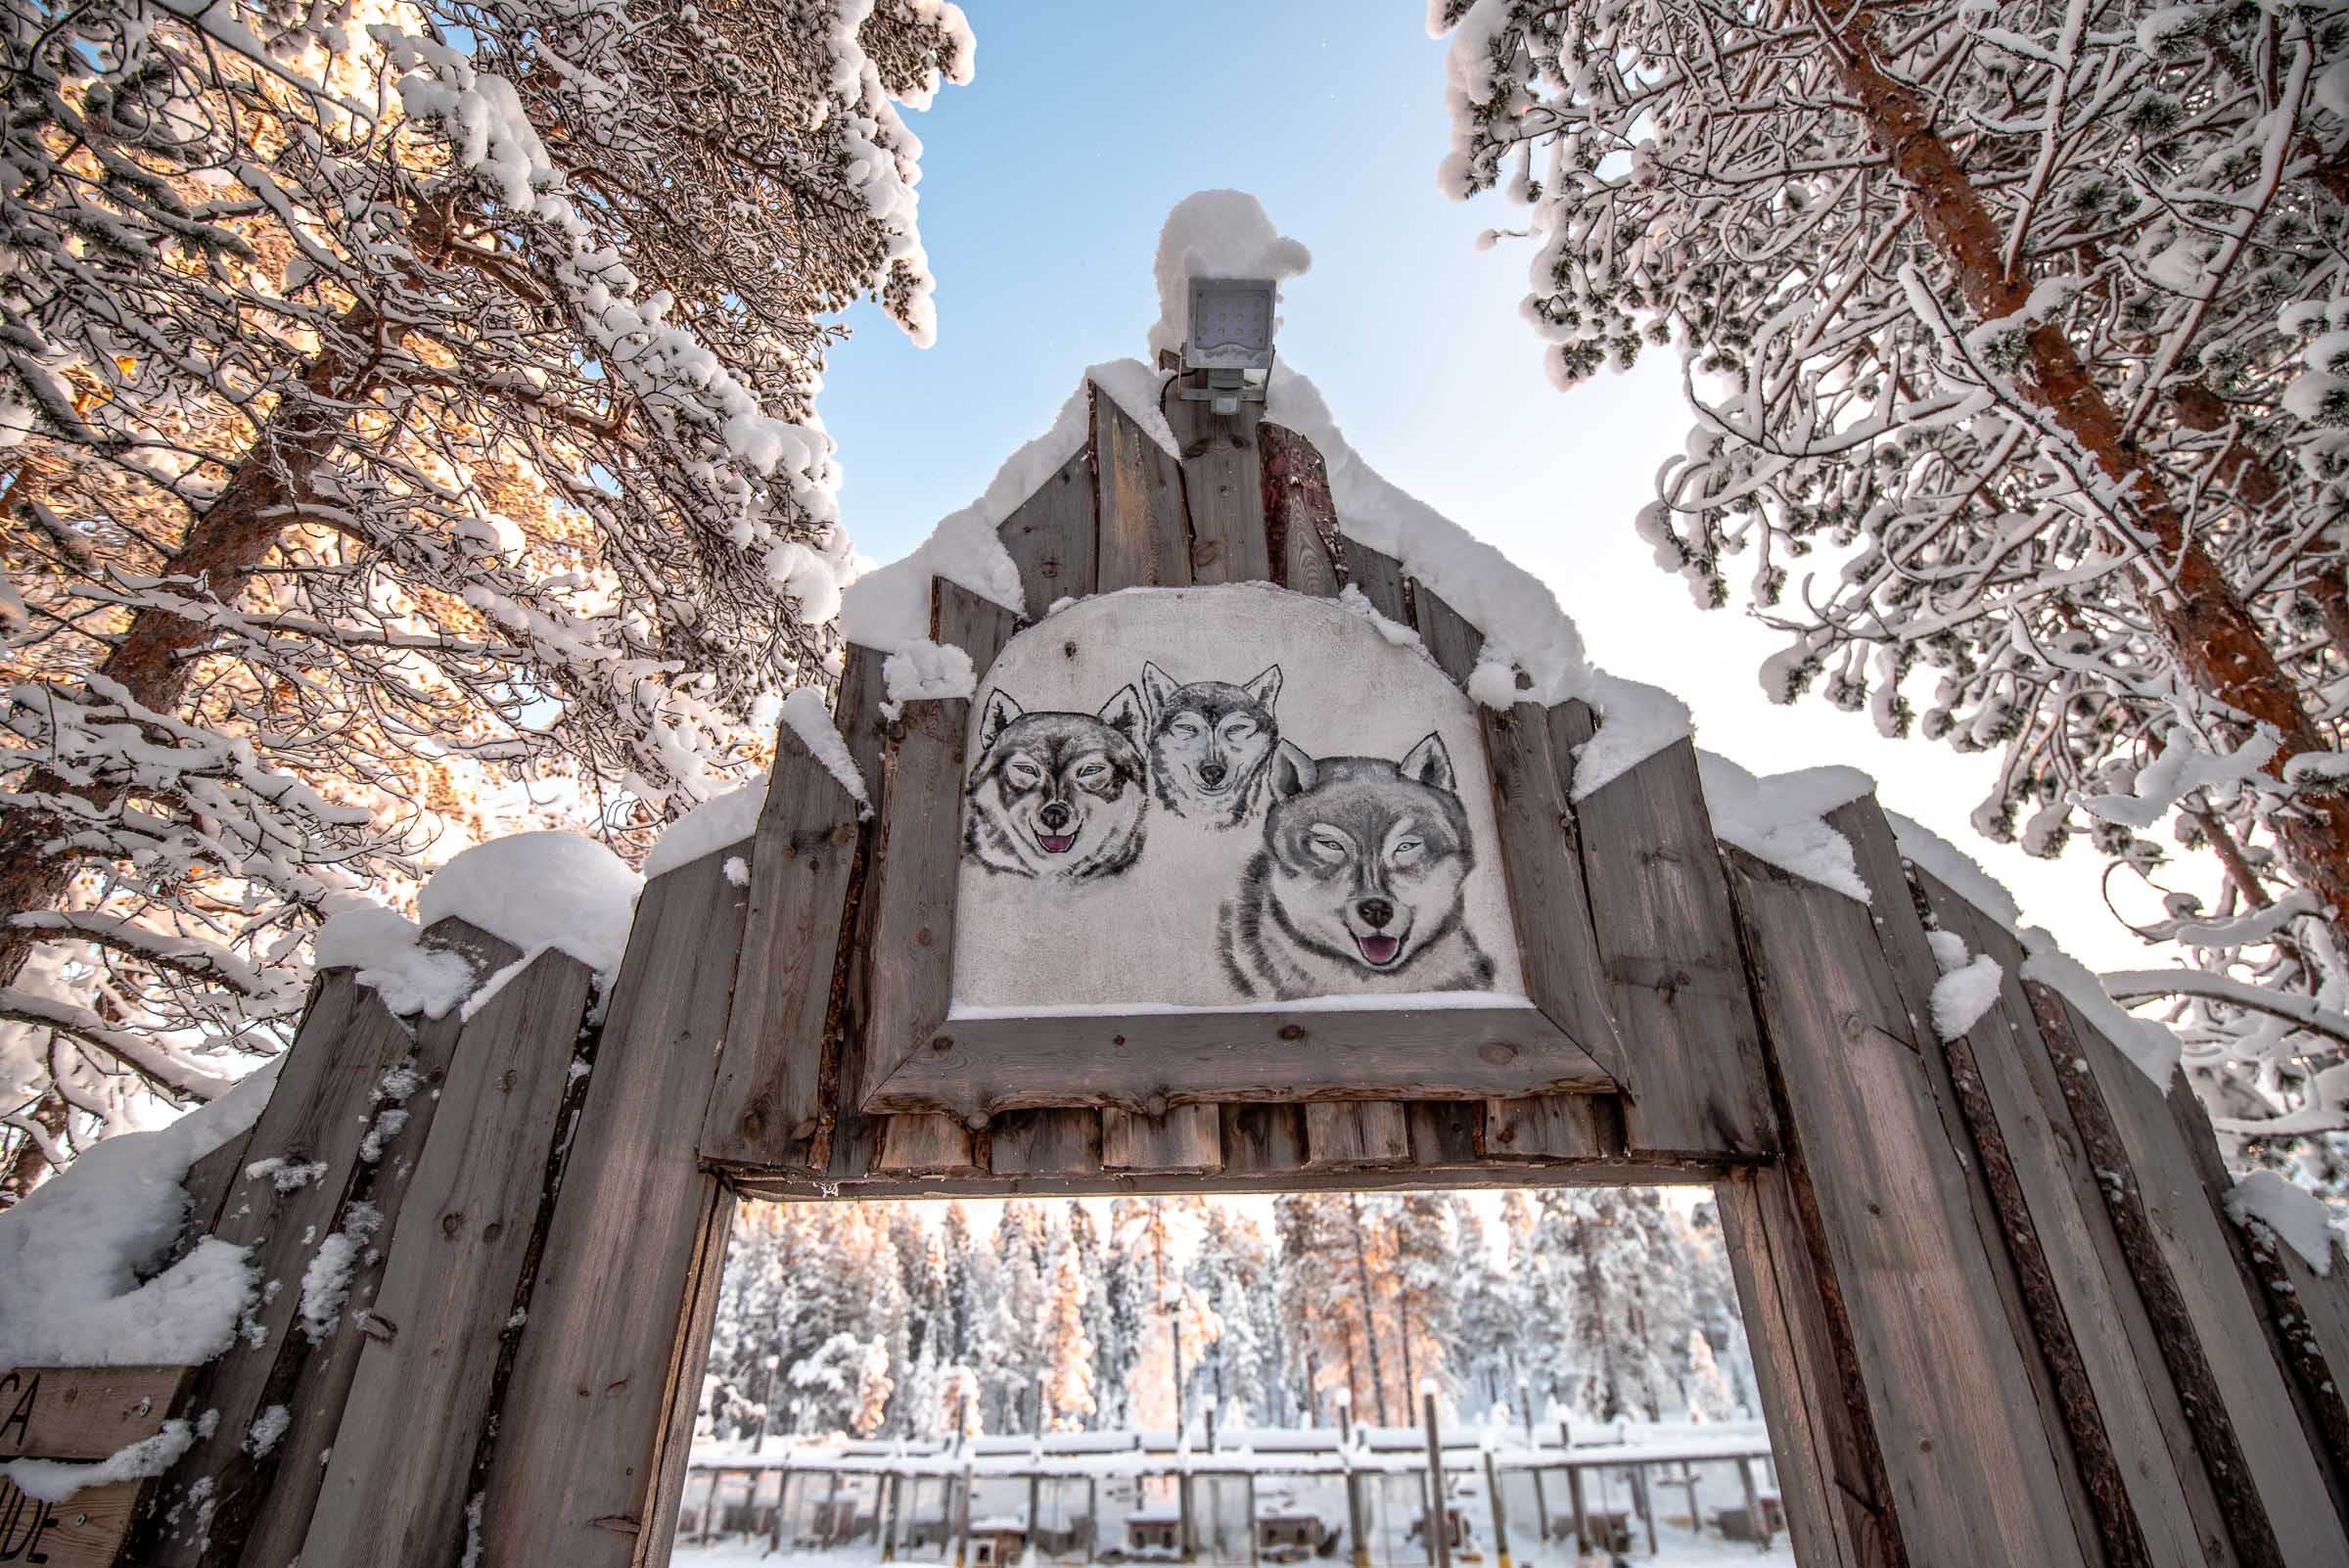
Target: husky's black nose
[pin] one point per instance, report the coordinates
(1375, 912)
(1054, 816)
(1212, 774)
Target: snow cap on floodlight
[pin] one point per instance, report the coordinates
(1213, 235)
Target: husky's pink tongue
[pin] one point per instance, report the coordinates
(1379, 948)
(1056, 842)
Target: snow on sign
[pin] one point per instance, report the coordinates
(1225, 796)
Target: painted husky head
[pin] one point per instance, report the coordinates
(1365, 858)
(1210, 744)
(1057, 795)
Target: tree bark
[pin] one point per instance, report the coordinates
(2217, 644)
(228, 544)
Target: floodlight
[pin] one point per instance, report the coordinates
(1231, 334)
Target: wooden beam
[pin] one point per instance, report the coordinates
(587, 1406)
(1144, 534)
(453, 1280)
(2261, 1467)
(973, 1068)
(1262, 1141)
(320, 1113)
(1222, 491)
(922, 1145)
(1974, 1473)
(1830, 1472)
(1381, 580)
(767, 1104)
(1188, 1138)
(846, 1137)
(1045, 1143)
(1667, 939)
(2134, 1435)
(1553, 1126)
(910, 979)
(1051, 536)
(85, 1412)
(1301, 519)
(1342, 1136)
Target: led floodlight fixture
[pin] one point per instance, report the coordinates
(1231, 334)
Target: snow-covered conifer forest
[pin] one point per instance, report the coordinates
(2016, 338)
(917, 1319)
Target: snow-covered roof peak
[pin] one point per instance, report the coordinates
(1215, 233)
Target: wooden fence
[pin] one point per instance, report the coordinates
(1998, 1312)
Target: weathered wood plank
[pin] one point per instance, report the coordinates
(1224, 492)
(1263, 1139)
(910, 978)
(1451, 639)
(1975, 1474)
(767, 1103)
(317, 1121)
(1668, 943)
(1540, 851)
(1830, 1472)
(287, 1494)
(1359, 1133)
(1044, 1142)
(1381, 580)
(2310, 1314)
(2260, 1468)
(1444, 1132)
(2201, 1147)
(1145, 537)
(2133, 1437)
(451, 1281)
(974, 1066)
(1552, 1127)
(1188, 1138)
(583, 1411)
(85, 1412)
(845, 1137)
(1300, 518)
(1050, 536)
(924, 1145)
(85, 1531)
(690, 1354)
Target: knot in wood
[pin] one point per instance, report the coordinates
(1498, 1051)
(377, 1328)
(1292, 1031)
(943, 1044)
(452, 1223)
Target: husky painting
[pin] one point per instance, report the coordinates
(1358, 885)
(1211, 745)
(1058, 796)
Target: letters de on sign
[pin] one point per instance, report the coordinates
(1227, 843)
(78, 1414)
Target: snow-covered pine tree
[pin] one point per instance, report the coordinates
(1128, 1295)
(396, 400)
(1068, 1369)
(1424, 1286)
(2019, 339)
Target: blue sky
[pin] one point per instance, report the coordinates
(1044, 183)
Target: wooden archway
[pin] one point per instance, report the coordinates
(1998, 1311)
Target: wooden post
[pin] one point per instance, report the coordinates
(704, 1525)
(830, 1533)
(888, 1501)
(1439, 1524)
(1184, 1530)
(1501, 1523)
(774, 1529)
(1356, 1527)
(1092, 1517)
(1755, 1519)
(1645, 1498)
(1036, 1506)
(1581, 1519)
(1540, 1503)
(962, 1516)
(1250, 1477)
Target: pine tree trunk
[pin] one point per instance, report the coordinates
(152, 659)
(2217, 645)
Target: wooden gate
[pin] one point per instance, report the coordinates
(1998, 1311)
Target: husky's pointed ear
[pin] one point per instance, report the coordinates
(1002, 709)
(1293, 773)
(1265, 689)
(1157, 687)
(1123, 713)
(1428, 762)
